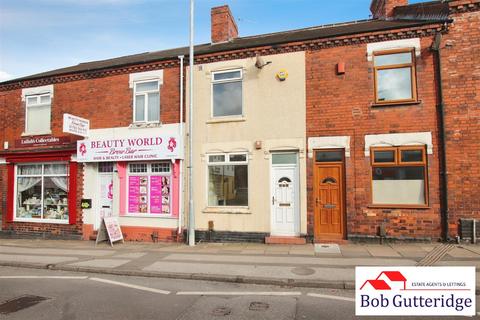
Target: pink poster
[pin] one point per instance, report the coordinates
(138, 194)
(155, 194)
(133, 194)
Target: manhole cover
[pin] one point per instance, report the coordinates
(258, 306)
(17, 304)
(303, 271)
(221, 311)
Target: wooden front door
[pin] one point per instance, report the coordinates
(328, 201)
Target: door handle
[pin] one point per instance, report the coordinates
(273, 200)
(317, 201)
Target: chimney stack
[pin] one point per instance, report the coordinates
(383, 9)
(224, 27)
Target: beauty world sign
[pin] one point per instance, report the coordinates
(158, 147)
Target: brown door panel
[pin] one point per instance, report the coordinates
(328, 208)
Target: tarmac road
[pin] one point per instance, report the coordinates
(47, 294)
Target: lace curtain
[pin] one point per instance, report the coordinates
(60, 182)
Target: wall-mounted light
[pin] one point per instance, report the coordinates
(258, 145)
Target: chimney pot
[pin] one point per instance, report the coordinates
(223, 24)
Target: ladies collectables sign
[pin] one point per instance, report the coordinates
(130, 149)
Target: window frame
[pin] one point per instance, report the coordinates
(413, 75)
(399, 163)
(227, 162)
(213, 82)
(149, 173)
(42, 175)
(145, 94)
(38, 96)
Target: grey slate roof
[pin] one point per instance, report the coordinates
(278, 38)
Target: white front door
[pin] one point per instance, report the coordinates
(285, 191)
(105, 192)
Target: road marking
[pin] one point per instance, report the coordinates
(130, 286)
(44, 277)
(228, 293)
(324, 296)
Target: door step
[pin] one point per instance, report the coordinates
(284, 240)
(332, 240)
(93, 236)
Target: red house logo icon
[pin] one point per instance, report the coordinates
(380, 284)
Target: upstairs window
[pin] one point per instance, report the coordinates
(227, 93)
(38, 113)
(395, 76)
(147, 102)
(399, 176)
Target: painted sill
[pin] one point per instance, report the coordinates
(225, 120)
(32, 134)
(395, 104)
(227, 210)
(398, 206)
(153, 215)
(140, 125)
(49, 221)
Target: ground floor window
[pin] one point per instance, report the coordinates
(399, 176)
(228, 180)
(149, 188)
(42, 191)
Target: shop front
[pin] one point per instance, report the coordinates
(134, 174)
(41, 193)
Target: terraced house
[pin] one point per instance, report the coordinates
(359, 130)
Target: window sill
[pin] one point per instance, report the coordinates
(395, 104)
(139, 125)
(398, 206)
(50, 221)
(227, 210)
(31, 134)
(224, 120)
(152, 215)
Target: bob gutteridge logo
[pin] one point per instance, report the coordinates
(415, 291)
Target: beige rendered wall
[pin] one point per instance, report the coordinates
(274, 113)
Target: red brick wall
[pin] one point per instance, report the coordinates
(461, 86)
(340, 105)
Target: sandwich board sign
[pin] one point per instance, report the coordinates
(109, 231)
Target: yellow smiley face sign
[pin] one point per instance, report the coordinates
(282, 75)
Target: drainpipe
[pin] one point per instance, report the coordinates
(441, 135)
(191, 213)
(180, 176)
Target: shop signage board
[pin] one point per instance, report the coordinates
(156, 147)
(41, 141)
(109, 231)
(75, 125)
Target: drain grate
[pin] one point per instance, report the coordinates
(258, 306)
(436, 255)
(20, 303)
(221, 311)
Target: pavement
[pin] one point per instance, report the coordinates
(314, 266)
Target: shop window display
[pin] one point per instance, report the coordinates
(42, 192)
(149, 188)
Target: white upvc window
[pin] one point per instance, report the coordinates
(38, 113)
(228, 180)
(146, 104)
(227, 93)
